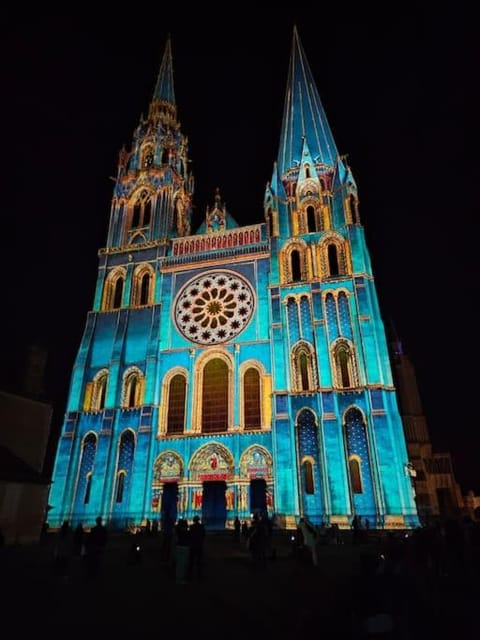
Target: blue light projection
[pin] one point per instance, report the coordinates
(326, 446)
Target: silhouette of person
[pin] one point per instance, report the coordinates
(236, 529)
(96, 543)
(195, 560)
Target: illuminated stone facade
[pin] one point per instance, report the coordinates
(234, 369)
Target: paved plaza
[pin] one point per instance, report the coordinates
(233, 600)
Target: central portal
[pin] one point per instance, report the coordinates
(214, 507)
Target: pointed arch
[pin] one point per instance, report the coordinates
(308, 460)
(143, 286)
(359, 463)
(256, 461)
(123, 472)
(168, 467)
(88, 453)
(212, 458)
(133, 388)
(113, 289)
(140, 207)
(344, 365)
(213, 392)
(304, 367)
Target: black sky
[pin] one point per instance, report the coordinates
(401, 96)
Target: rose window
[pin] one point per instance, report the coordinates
(214, 308)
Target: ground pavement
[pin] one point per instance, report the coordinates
(234, 600)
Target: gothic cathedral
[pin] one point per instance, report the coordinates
(234, 369)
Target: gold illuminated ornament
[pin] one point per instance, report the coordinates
(214, 308)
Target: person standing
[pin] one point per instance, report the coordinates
(95, 546)
(196, 539)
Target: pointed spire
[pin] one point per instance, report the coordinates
(303, 116)
(164, 87)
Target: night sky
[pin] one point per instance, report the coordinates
(401, 97)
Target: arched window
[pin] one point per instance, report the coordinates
(215, 396)
(311, 222)
(296, 268)
(352, 202)
(84, 486)
(355, 474)
(343, 357)
(308, 477)
(118, 294)
(133, 388)
(100, 392)
(145, 289)
(141, 210)
(176, 404)
(132, 391)
(304, 368)
(123, 474)
(307, 171)
(332, 253)
(251, 399)
(142, 285)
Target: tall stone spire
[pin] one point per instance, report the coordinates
(164, 87)
(303, 117)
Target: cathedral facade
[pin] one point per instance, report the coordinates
(234, 369)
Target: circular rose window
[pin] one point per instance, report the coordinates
(214, 308)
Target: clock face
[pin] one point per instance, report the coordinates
(214, 307)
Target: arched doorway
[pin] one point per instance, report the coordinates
(258, 496)
(169, 502)
(214, 507)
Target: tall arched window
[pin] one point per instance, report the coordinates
(113, 290)
(141, 210)
(133, 388)
(333, 268)
(176, 404)
(359, 464)
(308, 477)
(142, 285)
(215, 396)
(118, 294)
(123, 474)
(251, 399)
(343, 356)
(84, 485)
(132, 391)
(352, 202)
(296, 267)
(100, 392)
(145, 289)
(303, 366)
(311, 222)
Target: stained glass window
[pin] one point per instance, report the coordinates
(215, 397)
(251, 398)
(176, 404)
